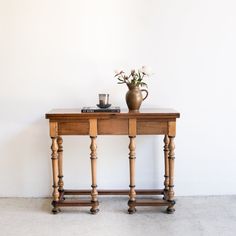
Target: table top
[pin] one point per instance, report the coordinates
(142, 113)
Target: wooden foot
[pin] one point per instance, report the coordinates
(131, 211)
(132, 208)
(170, 209)
(94, 210)
(56, 210)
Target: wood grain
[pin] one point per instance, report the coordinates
(132, 157)
(54, 158)
(53, 128)
(151, 127)
(74, 128)
(112, 126)
(166, 165)
(93, 157)
(70, 114)
(60, 163)
(171, 128)
(171, 159)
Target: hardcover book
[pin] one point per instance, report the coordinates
(96, 109)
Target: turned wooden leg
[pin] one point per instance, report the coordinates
(94, 192)
(166, 176)
(171, 157)
(60, 164)
(132, 193)
(54, 158)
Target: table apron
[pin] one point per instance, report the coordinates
(114, 127)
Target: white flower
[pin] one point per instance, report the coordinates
(118, 72)
(146, 70)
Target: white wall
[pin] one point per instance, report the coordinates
(61, 54)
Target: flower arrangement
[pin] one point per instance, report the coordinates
(135, 78)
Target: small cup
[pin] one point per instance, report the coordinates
(103, 99)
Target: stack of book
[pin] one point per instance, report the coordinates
(96, 109)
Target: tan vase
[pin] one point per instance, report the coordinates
(134, 97)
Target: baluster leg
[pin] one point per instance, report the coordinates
(54, 158)
(60, 164)
(94, 192)
(132, 193)
(171, 157)
(166, 161)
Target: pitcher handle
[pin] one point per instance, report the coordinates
(144, 90)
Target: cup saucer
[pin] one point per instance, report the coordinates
(104, 106)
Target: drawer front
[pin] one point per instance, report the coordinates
(73, 128)
(113, 126)
(152, 127)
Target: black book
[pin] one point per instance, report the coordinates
(96, 109)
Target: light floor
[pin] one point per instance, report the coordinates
(194, 216)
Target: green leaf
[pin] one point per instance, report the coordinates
(143, 84)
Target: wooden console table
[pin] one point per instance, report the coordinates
(145, 122)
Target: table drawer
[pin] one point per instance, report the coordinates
(73, 128)
(152, 127)
(113, 126)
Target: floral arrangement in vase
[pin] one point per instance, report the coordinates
(134, 81)
(135, 78)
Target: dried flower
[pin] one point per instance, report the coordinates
(135, 78)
